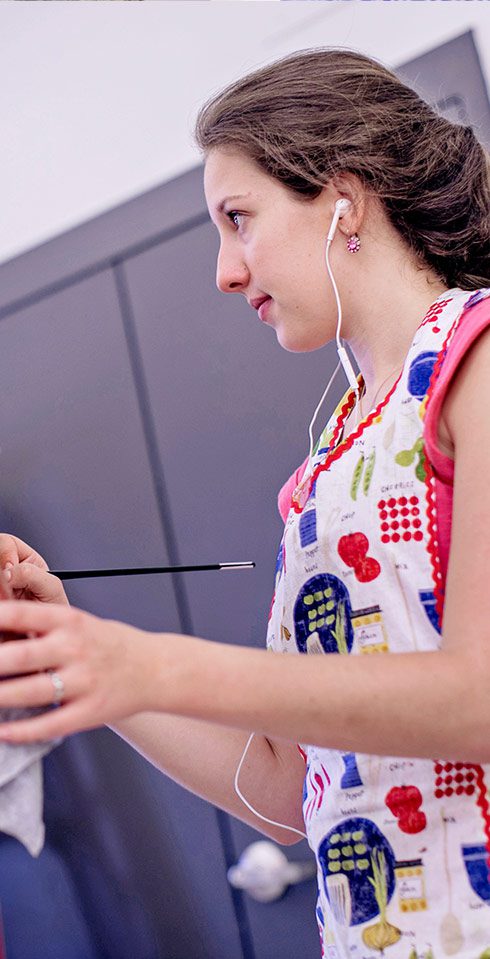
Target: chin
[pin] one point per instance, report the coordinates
(300, 343)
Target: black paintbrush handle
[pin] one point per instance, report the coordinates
(85, 573)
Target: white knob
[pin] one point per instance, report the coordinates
(265, 872)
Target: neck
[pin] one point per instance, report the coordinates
(381, 336)
(385, 295)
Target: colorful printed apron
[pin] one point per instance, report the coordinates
(401, 843)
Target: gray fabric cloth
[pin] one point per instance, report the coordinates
(21, 785)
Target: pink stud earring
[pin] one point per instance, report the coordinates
(353, 243)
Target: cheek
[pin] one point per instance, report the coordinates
(303, 274)
(310, 267)
(291, 265)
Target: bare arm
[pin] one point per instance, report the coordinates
(204, 757)
(420, 710)
(433, 704)
(200, 756)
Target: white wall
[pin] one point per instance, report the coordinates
(97, 99)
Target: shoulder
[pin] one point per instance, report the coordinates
(451, 376)
(468, 374)
(466, 409)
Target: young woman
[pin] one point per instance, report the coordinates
(345, 205)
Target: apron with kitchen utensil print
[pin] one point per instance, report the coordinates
(402, 844)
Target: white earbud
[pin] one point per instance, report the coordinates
(341, 208)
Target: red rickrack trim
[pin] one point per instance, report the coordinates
(335, 453)
(482, 803)
(432, 314)
(482, 800)
(341, 417)
(433, 544)
(433, 547)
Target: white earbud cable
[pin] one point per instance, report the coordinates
(315, 414)
(237, 790)
(344, 359)
(340, 207)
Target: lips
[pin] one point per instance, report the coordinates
(261, 304)
(258, 301)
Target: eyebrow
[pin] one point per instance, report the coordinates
(237, 196)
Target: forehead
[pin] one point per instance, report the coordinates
(230, 173)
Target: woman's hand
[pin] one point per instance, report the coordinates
(106, 667)
(30, 577)
(32, 583)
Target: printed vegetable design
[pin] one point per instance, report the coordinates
(356, 479)
(280, 563)
(350, 778)
(352, 549)
(368, 474)
(369, 630)
(410, 884)
(428, 599)
(400, 519)
(476, 298)
(340, 631)
(324, 441)
(382, 934)
(406, 458)
(450, 931)
(322, 616)
(451, 934)
(420, 373)
(314, 787)
(454, 779)
(307, 523)
(341, 905)
(326, 937)
(475, 859)
(404, 803)
(346, 851)
(389, 434)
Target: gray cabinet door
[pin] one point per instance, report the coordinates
(231, 411)
(145, 857)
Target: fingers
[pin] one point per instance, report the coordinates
(8, 550)
(33, 691)
(40, 584)
(5, 589)
(28, 656)
(53, 724)
(14, 550)
(21, 616)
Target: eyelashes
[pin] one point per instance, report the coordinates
(231, 216)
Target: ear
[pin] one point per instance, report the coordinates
(348, 186)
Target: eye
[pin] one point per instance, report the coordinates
(232, 216)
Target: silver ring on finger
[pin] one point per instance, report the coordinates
(58, 686)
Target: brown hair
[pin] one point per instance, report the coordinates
(317, 113)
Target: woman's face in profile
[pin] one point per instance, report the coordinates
(272, 244)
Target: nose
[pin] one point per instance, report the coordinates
(232, 275)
